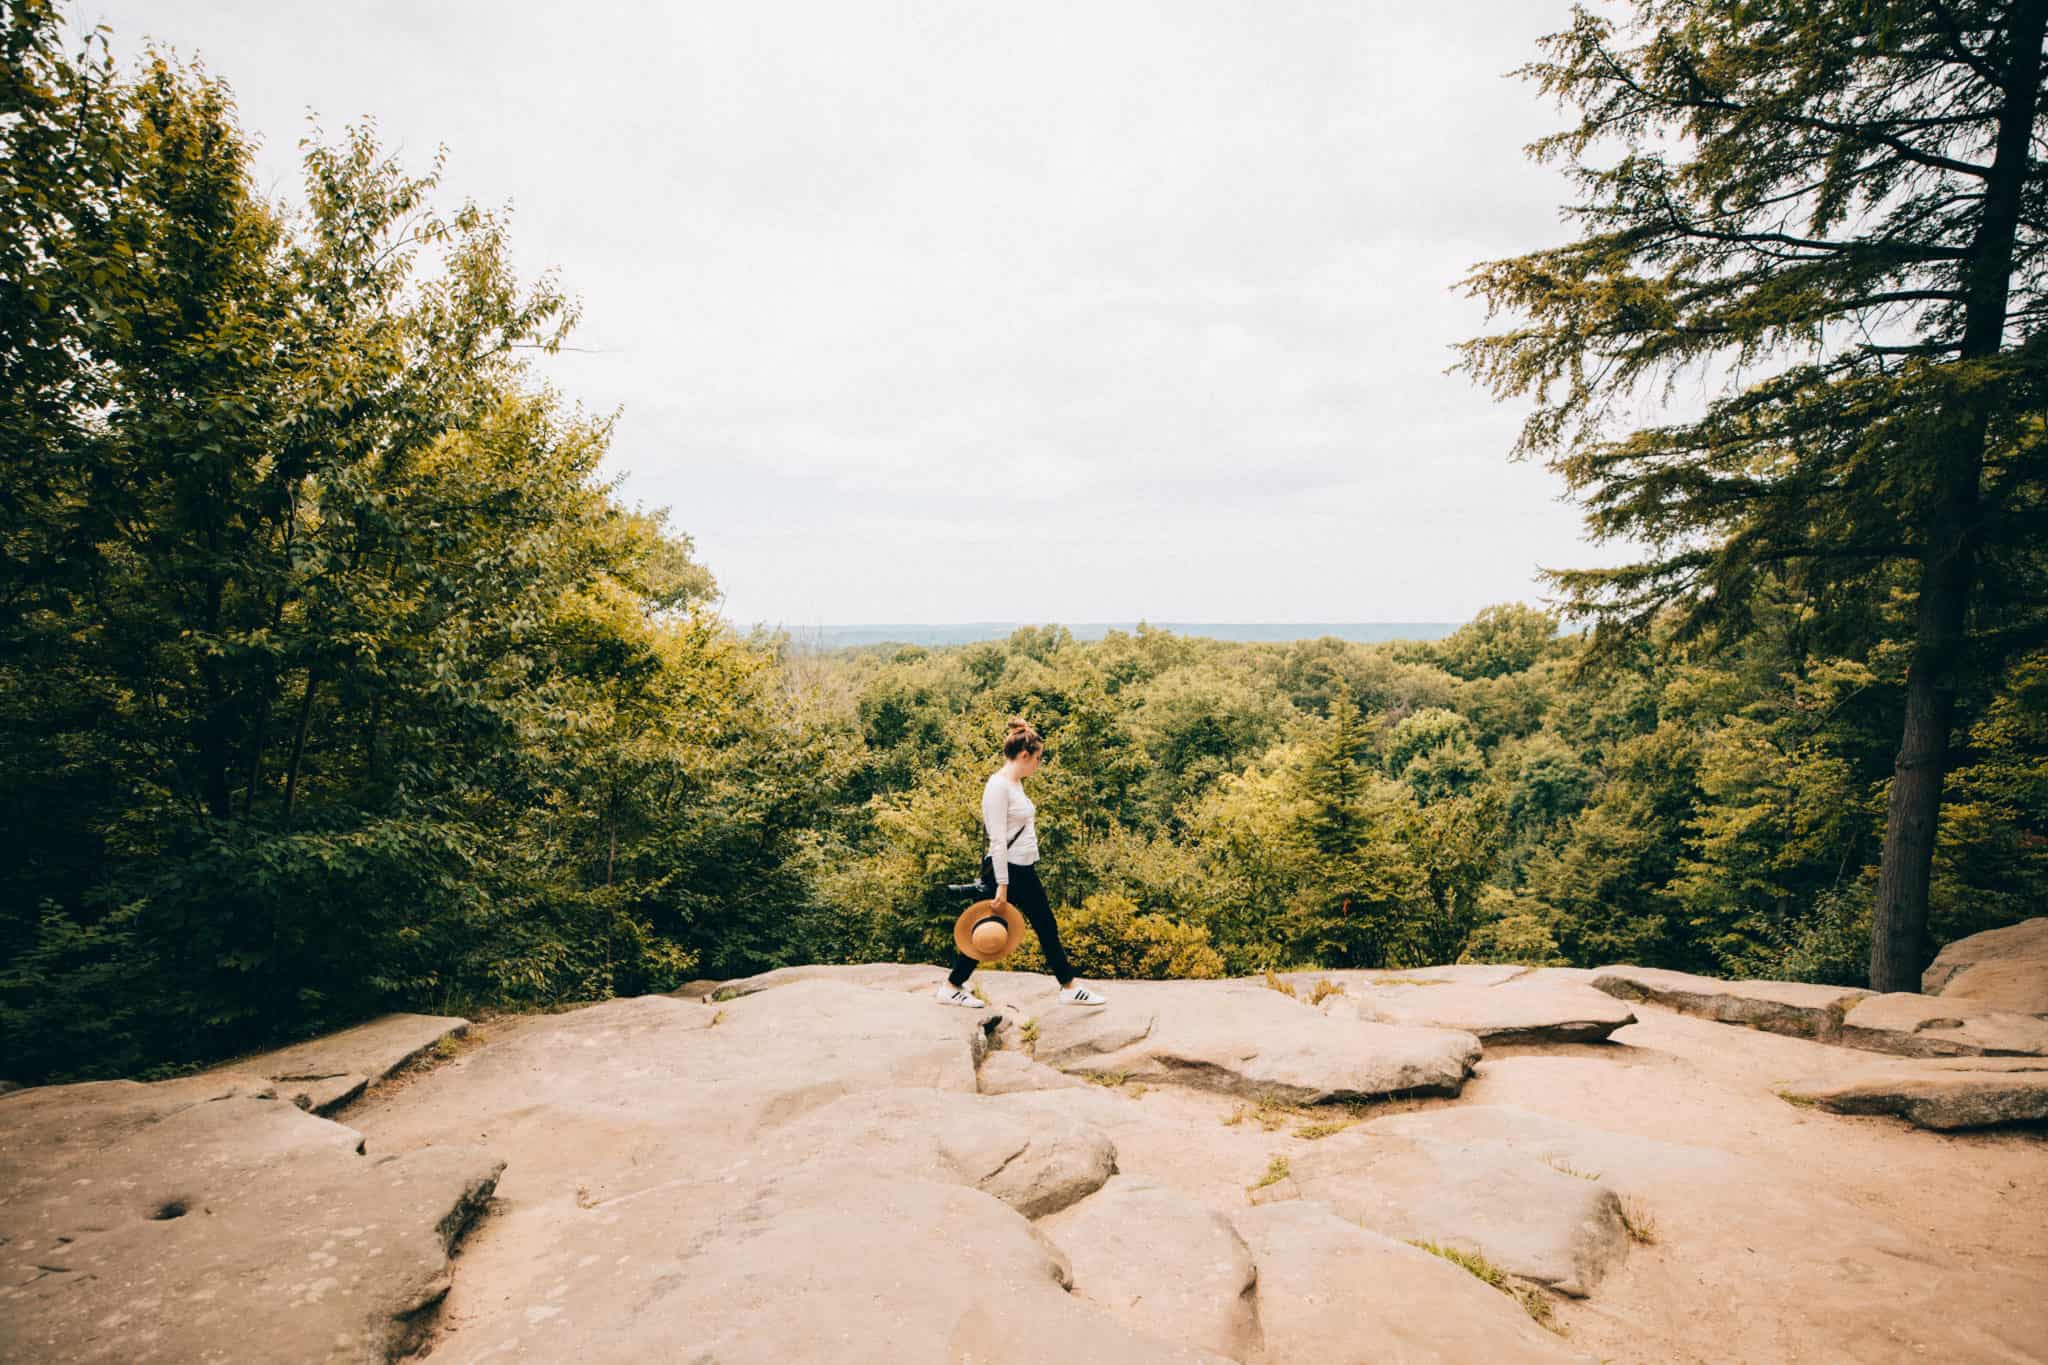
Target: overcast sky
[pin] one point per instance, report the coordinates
(949, 311)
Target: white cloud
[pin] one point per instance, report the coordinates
(1170, 285)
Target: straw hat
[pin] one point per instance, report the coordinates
(987, 932)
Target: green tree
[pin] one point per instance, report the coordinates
(1844, 197)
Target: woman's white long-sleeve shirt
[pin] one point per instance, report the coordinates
(1005, 810)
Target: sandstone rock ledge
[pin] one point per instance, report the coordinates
(830, 1166)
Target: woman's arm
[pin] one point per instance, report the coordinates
(995, 814)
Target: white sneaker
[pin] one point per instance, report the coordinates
(950, 994)
(1078, 994)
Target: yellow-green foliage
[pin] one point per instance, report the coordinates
(1107, 937)
(1276, 1171)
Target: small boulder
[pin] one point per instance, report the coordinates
(2003, 969)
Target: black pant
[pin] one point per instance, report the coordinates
(1027, 893)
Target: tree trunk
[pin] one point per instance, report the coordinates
(1898, 931)
(291, 781)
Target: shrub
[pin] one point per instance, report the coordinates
(1108, 937)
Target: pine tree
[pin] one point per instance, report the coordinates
(1844, 197)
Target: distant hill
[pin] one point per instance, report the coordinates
(967, 632)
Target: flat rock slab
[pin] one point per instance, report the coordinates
(828, 1262)
(1507, 1013)
(1528, 1217)
(2000, 968)
(1964, 1092)
(1164, 1265)
(892, 976)
(173, 1224)
(1034, 1161)
(1910, 1025)
(1243, 1039)
(325, 1073)
(1352, 978)
(1622, 1162)
(1791, 1007)
(1333, 1293)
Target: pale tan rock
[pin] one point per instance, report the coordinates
(1475, 974)
(1910, 1025)
(658, 1087)
(1527, 1216)
(1332, 1293)
(827, 1262)
(1942, 1093)
(1507, 1013)
(1008, 1073)
(1273, 1192)
(1034, 1161)
(325, 1073)
(1790, 1007)
(1163, 1265)
(2000, 968)
(1244, 1039)
(230, 1227)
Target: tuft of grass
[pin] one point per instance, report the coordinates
(1636, 1217)
(1112, 1079)
(723, 994)
(1324, 989)
(1265, 1113)
(1533, 1300)
(716, 1019)
(975, 991)
(1273, 982)
(1558, 1163)
(1311, 1131)
(1409, 981)
(1803, 1101)
(1276, 1171)
(1028, 1035)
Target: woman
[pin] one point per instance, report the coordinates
(1012, 863)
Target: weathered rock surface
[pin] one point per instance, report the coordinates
(808, 1172)
(2000, 968)
(1529, 1217)
(1909, 1025)
(1333, 1293)
(326, 1073)
(1009, 1073)
(1036, 1162)
(206, 1218)
(899, 976)
(1791, 1007)
(1248, 1040)
(1500, 1014)
(1478, 974)
(1943, 1093)
(1164, 1265)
